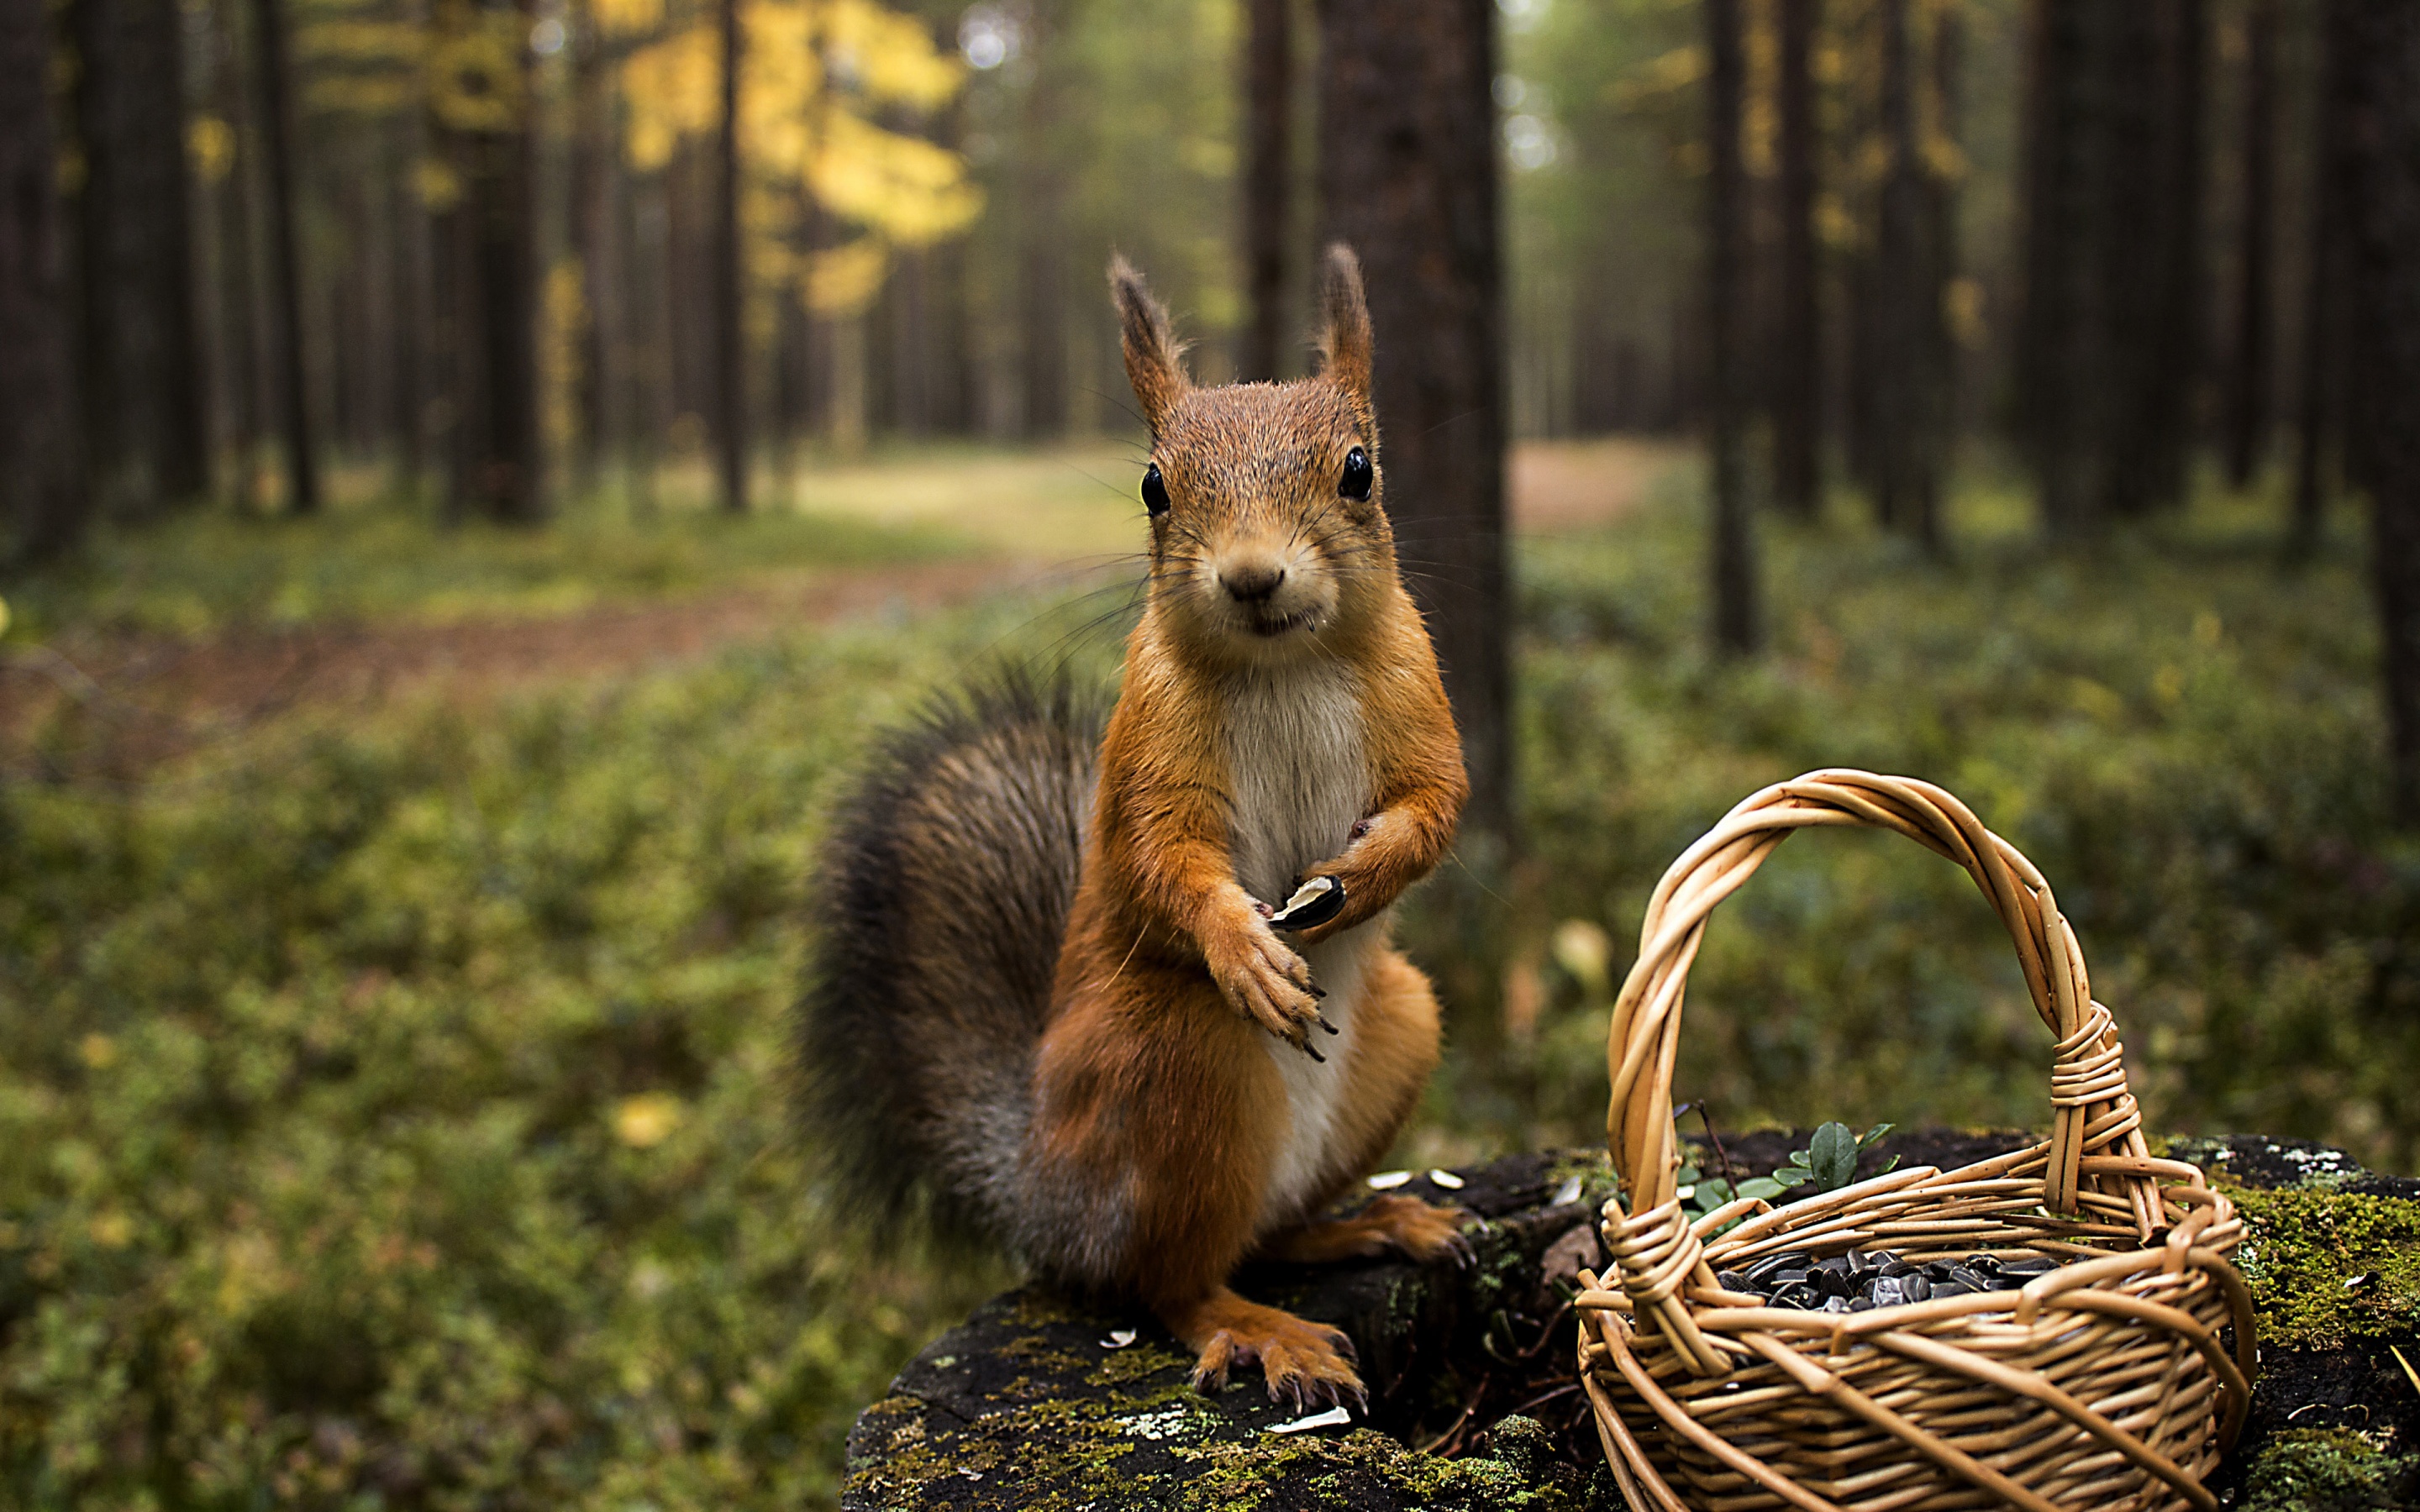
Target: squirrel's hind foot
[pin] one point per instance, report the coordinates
(1304, 1362)
(1409, 1225)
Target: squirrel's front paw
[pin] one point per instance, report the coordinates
(1269, 985)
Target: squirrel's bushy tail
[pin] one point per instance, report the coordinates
(942, 898)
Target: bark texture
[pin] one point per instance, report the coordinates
(2318, 379)
(1797, 357)
(494, 307)
(140, 339)
(1733, 560)
(2384, 97)
(730, 386)
(1268, 180)
(43, 492)
(2110, 347)
(2247, 377)
(1909, 385)
(290, 387)
(1408, 176)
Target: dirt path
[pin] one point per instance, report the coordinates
(114, 704)
(129, 702)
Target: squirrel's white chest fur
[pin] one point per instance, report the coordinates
(1300, 779)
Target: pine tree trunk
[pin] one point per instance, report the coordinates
(2175, 281)
(1797, 389)
(1907, 300)
(1408, 176)
(952, 355)
(730, 392)
(42, 486)
(1733, 560)
(2384, 232)
(2110, 347)
(1268, 182)
(1942, 245)
(2318, 380)
(408, 387)
(281, 267)
(2247, 378)
(595, 160)
(497, 469)
(1038, 271)
(143, 369)
(238, 379)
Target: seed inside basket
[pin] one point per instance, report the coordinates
(1862, 1280)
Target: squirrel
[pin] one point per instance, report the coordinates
(1056, 1002)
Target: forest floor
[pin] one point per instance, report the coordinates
(206, 636)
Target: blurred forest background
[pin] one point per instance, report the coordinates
(473, 475)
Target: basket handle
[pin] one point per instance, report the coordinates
(2092, 1111)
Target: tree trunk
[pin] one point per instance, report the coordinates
(1407, 174)
(1733, 561)
(238, 380)
(1040, 275)
(283, 270)
(2318, 400)
(1268, 182)
(2173, 281)
(1797, 388)
(410, 384)
(730, 388)
(2383, 222)
(594, 155)
(42, 483)
(1942, 240)
(2111, 342)
(2247, 377)
(1907, 302)
(143, 369)
(497, 470)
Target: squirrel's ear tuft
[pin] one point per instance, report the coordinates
(1154, 357)
(1344, 314)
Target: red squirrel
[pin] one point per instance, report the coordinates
(1056, 1002)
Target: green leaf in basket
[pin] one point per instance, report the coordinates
(1790, 1176)
(1832, 1155)
(1873, 1134)
(1759, 1186)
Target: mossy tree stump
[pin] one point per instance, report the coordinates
(1039, 1401)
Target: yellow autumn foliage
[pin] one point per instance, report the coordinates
(812, 72)
(814, 76)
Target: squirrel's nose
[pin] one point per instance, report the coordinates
(1253, 582)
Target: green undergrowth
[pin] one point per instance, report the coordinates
(2318, 1470)
(382, 558)
(2183, 736)
(2326, 1267)
(392, 1111)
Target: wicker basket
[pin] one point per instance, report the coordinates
(2103, 1383)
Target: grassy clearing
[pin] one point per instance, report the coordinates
(391, 1107)
(374, 557)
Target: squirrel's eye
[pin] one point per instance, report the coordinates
(1357, 473)
(1154, 493)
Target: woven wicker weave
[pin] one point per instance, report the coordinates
(2103, 1383)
